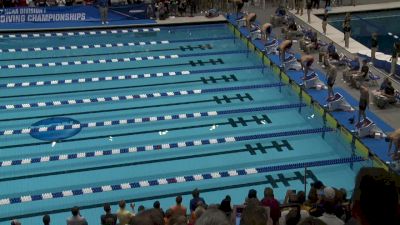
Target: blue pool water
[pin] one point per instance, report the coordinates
(363, 24)
(92, 119)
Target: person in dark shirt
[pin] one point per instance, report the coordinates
(389, 90)
(196, 199)
(108, 218)
(359, 77)
(374, 45)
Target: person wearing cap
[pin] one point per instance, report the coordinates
(394, 140)
(329, 216)
(306, 62)
(283, 48)
(266, 30)
(250, 19)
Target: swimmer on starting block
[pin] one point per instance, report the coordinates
(250, 19)
(266, 30)
(363, 103)
(332, 73)
(283, 48)
(306, 62)
(394, 139)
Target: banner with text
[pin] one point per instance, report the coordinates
(70, 14)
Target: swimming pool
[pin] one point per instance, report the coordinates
(363, 24)
(144, 114)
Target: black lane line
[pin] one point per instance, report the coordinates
(238, 97)
(106, 70)
(114, 88)
(142, 199)
(246, 95)
(129, 164)
(203, 47)
(120, 134)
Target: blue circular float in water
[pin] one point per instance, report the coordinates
(52, 134)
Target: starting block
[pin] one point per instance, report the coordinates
(313, 81)
(271, 47)
(338, 103)
(241, 22)
(367, 128)
(291, 63)
(255, 34)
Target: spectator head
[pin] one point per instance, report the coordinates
(212, 217)
(46, 219)
(178, 199)
(15, 222)
(301, 197)
(293, 217)
(156, 205)
(122, 204)
(196, 193)
(75, 211)
(312, 221)
(375, 197)
(107, 208)
(329, 194)
(225, 206)
(168, 213)
(141, 208)
(228, 197)
(178, 220)
(318, 185)
(148, 217)
(254, 214)
(252, 194)
(268, 192)
(365, 61)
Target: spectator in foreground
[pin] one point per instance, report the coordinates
(76, 218)
(123, 215)
(225, 206)
(157, 206)
(255, 214)
(312, 221)
(376, 197)
(148, 217)
(270, 201)
(108, 218)
(15, 222)
(213, 216)
(46, 220)
(178, 209)
(196, 198)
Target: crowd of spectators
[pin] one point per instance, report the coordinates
(375, 201)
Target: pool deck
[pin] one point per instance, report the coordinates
(391, 114)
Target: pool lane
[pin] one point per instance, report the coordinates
(198, 119)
